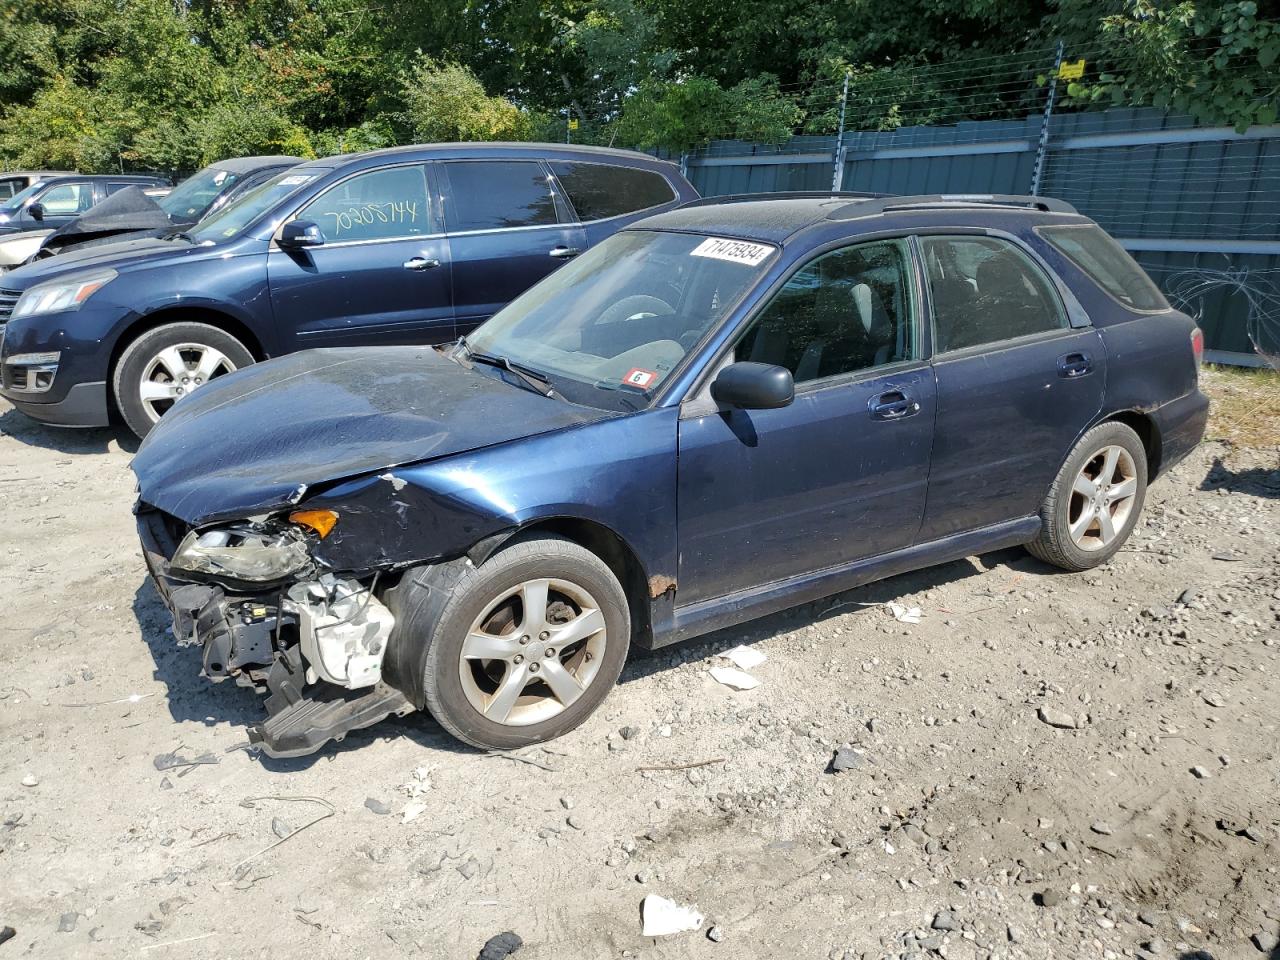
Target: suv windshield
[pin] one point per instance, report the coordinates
(608, 328)
(14, 203)
(244, 210)
(192, 196)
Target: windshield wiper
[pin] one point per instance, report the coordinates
(533, 379)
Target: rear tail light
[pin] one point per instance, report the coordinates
(1197, 344)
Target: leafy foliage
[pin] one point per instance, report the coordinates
(172, 84)
(445, 102)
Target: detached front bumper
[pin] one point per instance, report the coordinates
(254, 639)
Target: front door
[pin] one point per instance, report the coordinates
(507, 230)
(382, 273)
(838, 475)
(62, 203)
(1017, 384)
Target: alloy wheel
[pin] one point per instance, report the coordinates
(175, 372)
(1102, 498)
(532, 652)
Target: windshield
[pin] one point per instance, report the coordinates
(192, 197)
(14, 203)
(610, 327)
(244, 210)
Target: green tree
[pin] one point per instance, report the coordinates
(688, 113)
(446, 102)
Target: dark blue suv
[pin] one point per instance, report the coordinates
(408, 245)
(720, 412)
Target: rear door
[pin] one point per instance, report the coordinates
(507, 230)
(838, 475)
(382, 273)
(1017, 382)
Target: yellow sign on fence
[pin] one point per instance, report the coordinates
(1071, 71)
(573, 123)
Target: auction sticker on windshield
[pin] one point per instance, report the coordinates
(735, 251)
(640, 379)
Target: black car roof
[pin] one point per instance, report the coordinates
(113, 177)
(242, 165)
(494, 149)
(774, 218)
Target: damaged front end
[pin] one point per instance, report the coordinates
(271, 618)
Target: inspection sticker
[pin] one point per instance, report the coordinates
(735, 251)
(640, 379)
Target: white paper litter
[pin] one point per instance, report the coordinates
(904, 614)
(412, 811)
(663, 917)
(744, 658)
(734, 678)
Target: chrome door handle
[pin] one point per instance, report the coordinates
(420, 263)
(563, 253)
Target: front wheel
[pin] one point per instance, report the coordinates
(527, 646)
(1095, 500)
(165, 365)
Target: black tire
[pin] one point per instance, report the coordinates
(1054, 545)
(434, 617)
(137, 356)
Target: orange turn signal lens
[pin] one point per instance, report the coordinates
(321, 521)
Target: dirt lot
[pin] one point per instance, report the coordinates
(1148, 823)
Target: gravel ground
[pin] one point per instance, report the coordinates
(1045, 766)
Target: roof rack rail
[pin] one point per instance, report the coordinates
(785, 195)
(951, 200)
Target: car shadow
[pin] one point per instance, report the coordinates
(1258, 481)
(192, 698)
(79, 440)
(870, 596)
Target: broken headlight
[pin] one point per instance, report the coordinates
(243, 552)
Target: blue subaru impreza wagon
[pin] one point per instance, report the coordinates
(719, 412)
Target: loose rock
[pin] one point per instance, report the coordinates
(1057, 718)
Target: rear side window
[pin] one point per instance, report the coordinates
(1107, 263)
(379, 205)
(498, 194)
(598, 191)
(985, 290)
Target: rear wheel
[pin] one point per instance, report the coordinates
(1095, 500)
(167, 364)
(527, 646)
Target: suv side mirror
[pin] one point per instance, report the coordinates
(299, 234)
(36, 210)
(754, 386)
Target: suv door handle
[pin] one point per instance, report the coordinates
(420, 263)
(893, 405)
(1072, 365)
(563, 253)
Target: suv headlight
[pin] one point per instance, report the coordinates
(242, 552)
(61, 294)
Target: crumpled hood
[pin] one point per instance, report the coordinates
(256, 440)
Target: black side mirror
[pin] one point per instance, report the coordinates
(298, 234)
(754, 386)
(36, 210)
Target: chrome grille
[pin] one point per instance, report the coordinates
(8, 300)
